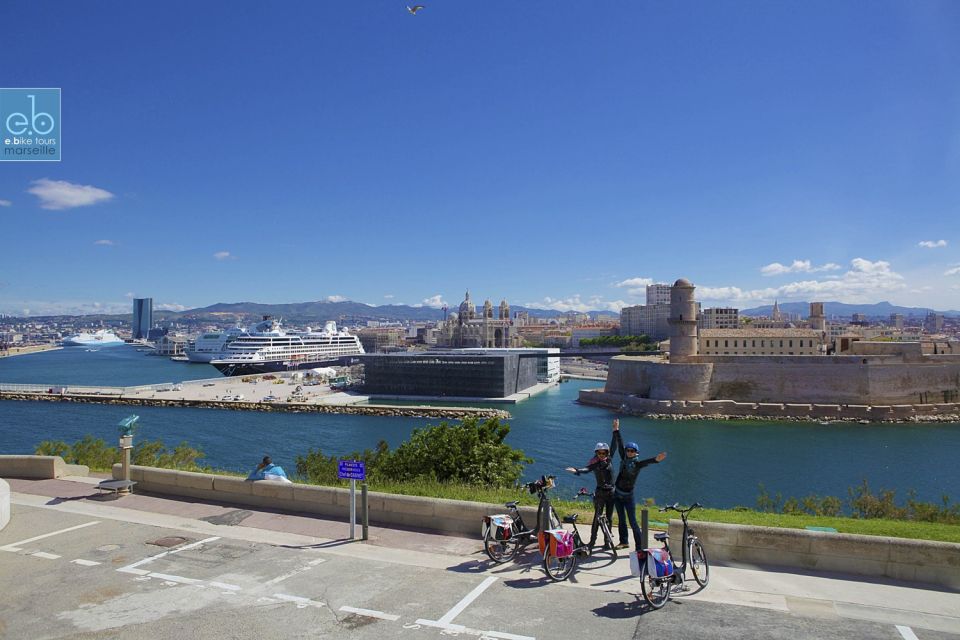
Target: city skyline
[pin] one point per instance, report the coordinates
(558, 158)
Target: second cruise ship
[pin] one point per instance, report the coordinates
(268, 348)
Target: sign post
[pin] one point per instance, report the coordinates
(352, 470)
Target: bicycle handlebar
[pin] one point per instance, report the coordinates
(676, 507)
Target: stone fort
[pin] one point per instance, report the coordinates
(870, 373)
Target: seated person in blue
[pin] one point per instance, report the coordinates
(266, 470)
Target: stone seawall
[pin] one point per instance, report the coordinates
(729, 409)
(453, 413)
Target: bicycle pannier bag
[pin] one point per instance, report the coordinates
(659, 563)
(637, 560)
(502, 526)
(560, 541)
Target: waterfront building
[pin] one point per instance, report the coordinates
(658, 294)
(649, 320)
(172, 345)
(548, 362)
(450, 374)
(720, 318)
(750, 341)
(884, 374)
(467, 328)
(142, 317)
(382, 339)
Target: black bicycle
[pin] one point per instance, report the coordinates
(558, 568)
(657, 589)
(504, 534)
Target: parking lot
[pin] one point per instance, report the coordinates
(81, 568)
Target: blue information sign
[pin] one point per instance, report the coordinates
(351, 470)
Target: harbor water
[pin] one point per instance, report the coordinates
(719, 463)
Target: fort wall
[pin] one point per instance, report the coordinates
(876, 381)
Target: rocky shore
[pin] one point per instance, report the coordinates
(452, 413)
(955, 417)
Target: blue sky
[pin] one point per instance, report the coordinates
(557, 154)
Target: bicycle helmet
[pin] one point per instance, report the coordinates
(631, 445)
(601, 446)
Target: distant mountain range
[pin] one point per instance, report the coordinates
(840, 309)
(319, 311)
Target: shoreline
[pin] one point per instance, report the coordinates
(267, 407)
(724, 410)
(26, 351)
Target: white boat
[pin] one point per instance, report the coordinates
(268, 348)
(102, 338)
(213, 344)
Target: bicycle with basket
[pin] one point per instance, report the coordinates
(660, 574)
(505, 533)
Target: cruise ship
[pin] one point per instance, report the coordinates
(213, 345)
(102, 338)
(268, 348)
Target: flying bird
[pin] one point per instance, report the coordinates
(413, 10)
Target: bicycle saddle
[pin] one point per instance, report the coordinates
(572, 519)
(511, 505)
(661, 536)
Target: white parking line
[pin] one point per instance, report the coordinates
(446, 622)
(132, 568)
(300, 602)
(906, 632)
(44, 555)
(467, 599)
(371, 613)
(85, 563)
(178, 579)
(15, 546)
(306, 567)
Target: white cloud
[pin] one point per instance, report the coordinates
(336, 299)
(5, 203)
(932, 244)
(436, 302)
(862, 283)
(952, 272)
(169, 306)
(128, 294)
(104, 243)
(223, 255)
(62, 308)
(60, 194)
(635, 286)
(797, 266)
(388, 296)
(575, 303)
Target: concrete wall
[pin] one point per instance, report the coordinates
(4, 503)
(936, 563)
(39, 467)
(877, 380)
(451, 516)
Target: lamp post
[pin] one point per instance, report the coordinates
(126, 445)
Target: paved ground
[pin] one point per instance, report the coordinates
(75, 566)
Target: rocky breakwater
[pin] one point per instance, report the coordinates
(451, 413)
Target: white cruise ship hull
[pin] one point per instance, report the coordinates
(233, 368)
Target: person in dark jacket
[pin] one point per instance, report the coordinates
(623, 499)
(602, 468)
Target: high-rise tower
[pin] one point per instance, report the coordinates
(142, 317)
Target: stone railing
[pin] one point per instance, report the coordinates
(450, 516)
(39, 467)
(4, 504)
(926, 561)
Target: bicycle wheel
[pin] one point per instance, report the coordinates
(656, 591)
(698, 563)
(558, 569)
(500, 551)
(608, 537)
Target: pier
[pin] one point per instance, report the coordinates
(270, 393)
